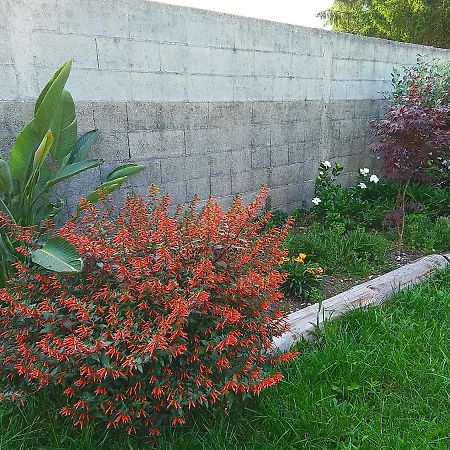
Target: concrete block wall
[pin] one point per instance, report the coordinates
(212, 104)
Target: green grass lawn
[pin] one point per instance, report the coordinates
(377, 379)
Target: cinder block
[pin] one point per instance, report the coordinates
(297, 152)
(182, 115)
(158, 87)
(127, 54)
(203, 141)
(110, 116)
(301, 38)
(199, 60)
(198, 186)
(265, 112)
(243, 182)
(157, 22)
(241, 160)
(315, 89)
(220, 185)
(174, 58)
(279, 197)
(14, 115)
(82, 17)
(94, 84)
(8, 81)
(5, 48)
(81, 49)
(260, 135)
(110, 147)
(4, 15)
(255, 36)
(283, 175)
(338, 90)
(253, 88)
(210, 30)
(173, 169)
(283, 37)
(279, 155)
(142, 116)
(229, 114)
(280, 134)
(85, 116)
(176, 190)
(260, 158)
(34, 14)
(197, 166)
(307, 66)
(156, 144)
(273, 64)
(221, 164)
(203, 88)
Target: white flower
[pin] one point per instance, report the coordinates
(364, 171)
(374, 179)
(362, 185)
(320, 172)
(316, 200)
(327, 164)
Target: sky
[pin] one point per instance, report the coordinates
(297, 12)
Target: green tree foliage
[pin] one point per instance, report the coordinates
(420, 21)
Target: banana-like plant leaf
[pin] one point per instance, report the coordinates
(104, 189)
(125, 170)
(6, 182)
(73, 169)
(64, 127)
(29, 138)
(82, 146)
(42, 151)
(49, 83)
(46, 106)
(58, 255)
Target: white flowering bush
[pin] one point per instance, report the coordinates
(362, 204)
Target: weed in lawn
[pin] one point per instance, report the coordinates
(426, 234)
(356, 252)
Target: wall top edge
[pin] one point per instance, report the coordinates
(293, 27)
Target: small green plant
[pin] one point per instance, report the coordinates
(426, 234)
(356, 252)
(303, 278)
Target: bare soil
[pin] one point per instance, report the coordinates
(335, 284)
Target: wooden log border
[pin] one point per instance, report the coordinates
(374, 292)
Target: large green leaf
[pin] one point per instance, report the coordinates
(82, 146)
(104, 189)
(46, 106)
(58, 255)
(6, 182)
(72, 170)
(64, 127)
(47, 86)
(29, 138)
(125, 170)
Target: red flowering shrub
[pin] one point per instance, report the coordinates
(169, 313)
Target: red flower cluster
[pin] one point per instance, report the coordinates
(170, 312)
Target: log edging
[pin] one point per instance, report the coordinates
(373, 292)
